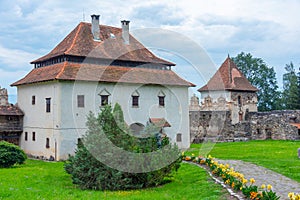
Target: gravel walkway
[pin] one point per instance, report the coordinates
(281, 184)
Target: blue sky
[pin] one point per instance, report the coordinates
(266, 29)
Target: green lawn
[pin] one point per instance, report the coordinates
(279, 156)
(48, 180)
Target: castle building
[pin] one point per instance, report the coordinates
(228, 111)
(11, 119)
(229, 90)
(92, 66)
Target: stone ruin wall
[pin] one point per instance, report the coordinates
(217, 126)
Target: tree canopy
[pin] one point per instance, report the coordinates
(291, 92)
(261, 76)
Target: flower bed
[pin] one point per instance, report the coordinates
(236, 180)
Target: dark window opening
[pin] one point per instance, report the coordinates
(239, 101)
(135, 101)
(179, 137)
(47, 143)
(161, 101)
(48, 105)
(80, 101)
(268, 134)
(79, 142)
(104, 100)
(258, 131)
(33, 100)
(26, 136)
(33, 136)
(298, 131)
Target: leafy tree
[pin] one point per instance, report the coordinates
(262, 77)
(291, 94)
(10, 155)
(90, 172)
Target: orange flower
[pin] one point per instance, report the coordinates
(253, 195)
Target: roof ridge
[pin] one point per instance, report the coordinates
(61, 72)
(74, 39)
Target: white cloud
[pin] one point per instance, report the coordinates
(267, 29)
(12, 59)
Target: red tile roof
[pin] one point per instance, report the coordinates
(10, 110)
(93, 72)
(80, 42)
(159, 122)
(228, 77)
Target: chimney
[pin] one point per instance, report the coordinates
(95, 27)
(125, 31)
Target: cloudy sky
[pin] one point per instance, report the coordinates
(266, 29)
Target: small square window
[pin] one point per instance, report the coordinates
(33, 100)
(104, 100)
(33, 136)
(135, 101)
(161, 101)
(80, 101)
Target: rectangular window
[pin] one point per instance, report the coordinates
(178, 137)
(135, 101)
(26, 136)
(48, 105)
(80, 101)
(104, 100)
(161, 101)
(33, 100)
(33, 136)
(47, 143)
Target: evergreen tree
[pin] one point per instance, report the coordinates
(261, 76)
(291, 95)
(94, 164)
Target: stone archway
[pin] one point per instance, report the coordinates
(136, 128)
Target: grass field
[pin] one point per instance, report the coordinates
(48, 180)
(279, 156)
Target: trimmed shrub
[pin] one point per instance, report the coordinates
(10, 155)
(90, 173)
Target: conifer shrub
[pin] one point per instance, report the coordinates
(11, 154)
(89, 172)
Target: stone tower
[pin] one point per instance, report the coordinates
(229, 90)
(3, 97)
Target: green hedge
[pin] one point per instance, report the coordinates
(10, 155)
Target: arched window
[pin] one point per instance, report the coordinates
(136, 128)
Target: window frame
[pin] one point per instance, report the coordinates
(47, 143)
(161, 101)
(48, 105)
(33, 100)
(135, 101)
(33, 136)
(104, 100)
(80, 101)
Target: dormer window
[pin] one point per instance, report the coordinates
(104, 94)
(135, 99)
(161, 99)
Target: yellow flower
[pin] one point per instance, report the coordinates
(263, 186)
(209, 156)
(252, 180)
(182, 153)
(232, 185)
(269, 187)
(193, 155)
(244, 181)
(291, 195)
